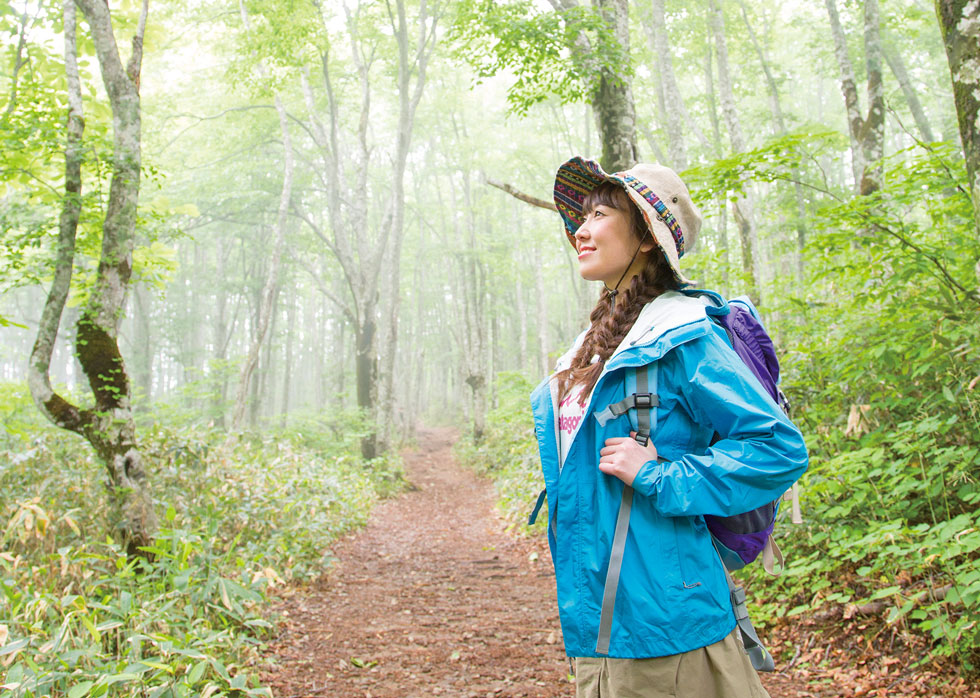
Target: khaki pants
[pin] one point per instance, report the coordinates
(721, 670)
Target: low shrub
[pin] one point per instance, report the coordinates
(239, 519)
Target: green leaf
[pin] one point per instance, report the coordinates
(80, 690)
(197, 672)
(15, 646)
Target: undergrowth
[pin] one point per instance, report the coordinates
(77, 618)
(880, 342)
(891, 524)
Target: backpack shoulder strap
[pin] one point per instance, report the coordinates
(643, 400)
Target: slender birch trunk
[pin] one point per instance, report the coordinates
(867, 133)
(108, 426)
(271, 287)
(959, 21)
(742, 208)
(897, 66)
(672, 101)
(780, 122)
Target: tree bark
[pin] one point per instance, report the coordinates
(780, 122)
(271, 287)
(109, 425)
(613, 100)
(52, 405)
(287, 364)
(867, 133)
(673, 102)
(742, 208)
(612, 96)
(19, 62)
(544, 342)
(897, 66)
(959, 21)
(411, 60)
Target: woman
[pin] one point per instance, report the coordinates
(650, 615)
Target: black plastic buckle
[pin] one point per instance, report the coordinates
(642, 439)
(643, 400)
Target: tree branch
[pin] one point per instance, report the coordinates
(53, 406)
(521, 196)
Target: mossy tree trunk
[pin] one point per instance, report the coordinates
(959, 21)
(867, 133)
(108, 424)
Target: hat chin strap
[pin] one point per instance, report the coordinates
(613, 292)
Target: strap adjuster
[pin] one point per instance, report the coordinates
(642, 439)
(644, 400)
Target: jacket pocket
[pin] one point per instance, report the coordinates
(689, 533)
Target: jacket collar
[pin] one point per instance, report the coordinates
(658, 318)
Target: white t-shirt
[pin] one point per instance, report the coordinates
(570, 414)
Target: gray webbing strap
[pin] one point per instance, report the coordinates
(639, 401)
(642, 400)
(646, 421)
(612, 574)
(643, 410)
(758, 655)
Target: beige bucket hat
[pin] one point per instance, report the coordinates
(670, 213)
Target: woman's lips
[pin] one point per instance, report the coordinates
(585, 251)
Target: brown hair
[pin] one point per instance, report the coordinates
(611, 320)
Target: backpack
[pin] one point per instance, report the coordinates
(738, 539)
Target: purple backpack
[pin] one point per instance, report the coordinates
(742, 537)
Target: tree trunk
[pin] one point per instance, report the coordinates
(521, 308)
(366, 369)
(613, 99)
(19, 62)
(108, 426)
(742, 208)
(220, 338)
(897, 66)
(672, 101)
(287, 363)
(271, 286)
(777, 117)
(143, 346)
(544, 365)
(867, 134)
(409, 62)
(873, 134)
(959, 21)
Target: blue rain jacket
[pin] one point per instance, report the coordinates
(672, 595)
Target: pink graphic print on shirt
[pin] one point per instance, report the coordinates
(570, 414)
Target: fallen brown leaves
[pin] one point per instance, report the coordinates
(433, 598)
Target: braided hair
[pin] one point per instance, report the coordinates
(611, 321)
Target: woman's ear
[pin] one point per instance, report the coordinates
(647, 245)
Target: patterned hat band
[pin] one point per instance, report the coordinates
(663, 213)
(671, 215)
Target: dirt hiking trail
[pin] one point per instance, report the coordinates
(434, 598)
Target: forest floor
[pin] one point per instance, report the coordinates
(434, 598)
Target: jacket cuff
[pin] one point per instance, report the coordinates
(648, 478)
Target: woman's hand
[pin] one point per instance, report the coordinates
(623, 457)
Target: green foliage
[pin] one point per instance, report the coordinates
(881, 360)
(508, 453)
(240, 520)
(517, 37)
(884, 382)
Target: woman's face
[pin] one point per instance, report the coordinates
(606, 244)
